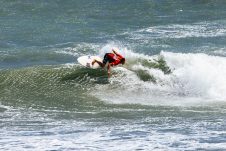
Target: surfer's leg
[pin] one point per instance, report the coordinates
(93, 61)
(100, 63)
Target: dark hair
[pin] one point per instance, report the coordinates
(122, 60)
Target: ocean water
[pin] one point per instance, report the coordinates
(170, 94)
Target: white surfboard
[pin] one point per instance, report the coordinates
(87, 61)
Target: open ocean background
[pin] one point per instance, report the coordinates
(170, 95)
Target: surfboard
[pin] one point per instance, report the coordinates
(87, 61)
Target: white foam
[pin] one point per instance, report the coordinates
(220, 51)
(119, 136)
(195, 79)
(68, 51)
(200, 74)
(80, 49)
(200, 29)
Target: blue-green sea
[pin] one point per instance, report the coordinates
(169, 96)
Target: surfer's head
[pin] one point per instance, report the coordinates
(123, 60)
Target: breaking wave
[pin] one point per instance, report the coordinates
(184, 78)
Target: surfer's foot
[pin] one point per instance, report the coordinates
(93, 62)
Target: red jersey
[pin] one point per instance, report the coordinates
(114, 59)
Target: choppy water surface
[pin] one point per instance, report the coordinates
(170, 95)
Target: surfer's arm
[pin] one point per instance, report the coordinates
(117, 54)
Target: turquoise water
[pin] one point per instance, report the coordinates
(170, 94)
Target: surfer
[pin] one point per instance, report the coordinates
(113, 59)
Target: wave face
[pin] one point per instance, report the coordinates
(144, 79)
